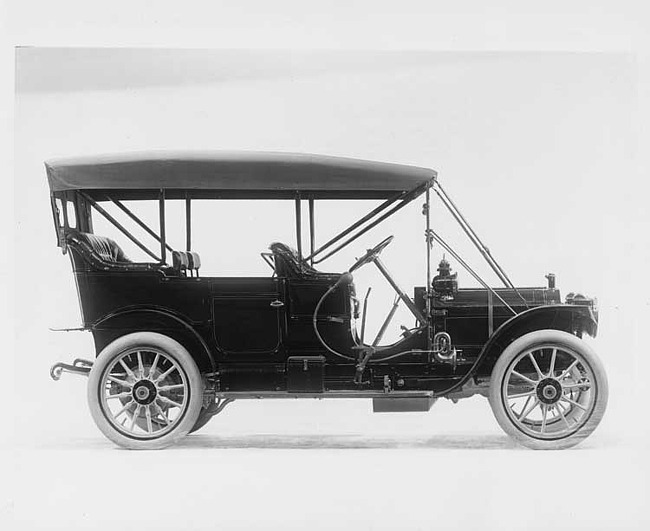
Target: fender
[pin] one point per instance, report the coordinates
(164, 320)
(568, 318)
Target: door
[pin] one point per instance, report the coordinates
(247, 314)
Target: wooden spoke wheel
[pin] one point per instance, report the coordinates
(145, 391)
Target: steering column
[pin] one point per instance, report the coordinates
(365, 352)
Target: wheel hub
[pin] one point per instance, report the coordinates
(144, 392)
(549, 391)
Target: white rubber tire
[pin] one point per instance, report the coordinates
(172, 349)
(561, 339)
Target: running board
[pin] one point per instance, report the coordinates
(392, 395)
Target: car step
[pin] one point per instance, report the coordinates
(326, 394)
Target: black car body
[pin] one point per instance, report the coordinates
(298, 331)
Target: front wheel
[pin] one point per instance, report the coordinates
(145, 391)
(548, 390)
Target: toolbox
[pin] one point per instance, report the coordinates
(305, 374)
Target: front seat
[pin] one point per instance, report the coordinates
(288, 265)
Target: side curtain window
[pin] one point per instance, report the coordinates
(71, 215)
(58, 211)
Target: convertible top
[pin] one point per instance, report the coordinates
(233, 175)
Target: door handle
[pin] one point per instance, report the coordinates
(277, 304)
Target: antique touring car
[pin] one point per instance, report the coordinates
(173, 347)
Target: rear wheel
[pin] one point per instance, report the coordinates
(145, 391)
(548, 390)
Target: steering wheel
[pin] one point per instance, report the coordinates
(371, 254)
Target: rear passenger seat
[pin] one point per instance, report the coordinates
(104, 253)
(101, 247)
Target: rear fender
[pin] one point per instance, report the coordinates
(160, 320)
(575, 320)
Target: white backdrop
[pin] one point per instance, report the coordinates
(538, 151)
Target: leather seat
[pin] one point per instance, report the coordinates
(100, 247)
(288, 265)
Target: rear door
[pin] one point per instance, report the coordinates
(248, 315)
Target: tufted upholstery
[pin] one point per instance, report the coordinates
(288, 265)
(101, 247)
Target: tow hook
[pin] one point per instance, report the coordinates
(79, 366)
